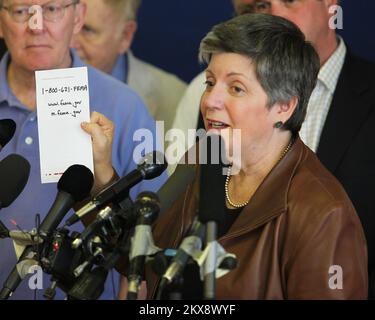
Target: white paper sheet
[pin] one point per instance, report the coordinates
(62, 104)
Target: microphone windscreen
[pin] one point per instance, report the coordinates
(77, 180)
(14, 173)
(212, 182)
(7, 129)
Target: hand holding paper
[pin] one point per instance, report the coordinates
(101, 130)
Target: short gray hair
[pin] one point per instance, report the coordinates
(129, 7)
(286, 65)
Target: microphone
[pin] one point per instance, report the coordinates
(210, 193)
(147, 207)
(14, 170)
(7, 130)
(185, 173)
(211, 210)
(212, 213)
(74, 185)
(189, 246)
(152, 166)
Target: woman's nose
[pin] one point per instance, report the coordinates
(213, 98)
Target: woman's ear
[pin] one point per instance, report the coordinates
(284, 110)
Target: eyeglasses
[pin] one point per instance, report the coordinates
(52, 11)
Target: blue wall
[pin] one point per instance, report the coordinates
(170, 30)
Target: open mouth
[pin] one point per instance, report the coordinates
(214, 124)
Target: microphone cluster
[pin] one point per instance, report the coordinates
(79, 262)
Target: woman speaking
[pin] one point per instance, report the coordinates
(289, 222)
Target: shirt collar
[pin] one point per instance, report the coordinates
(5, 92)
(329, 73)
(120, 70)
(76, 60)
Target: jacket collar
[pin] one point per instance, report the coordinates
(268, 202)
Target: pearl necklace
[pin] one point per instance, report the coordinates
(243, 204)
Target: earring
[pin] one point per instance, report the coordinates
(278, 124)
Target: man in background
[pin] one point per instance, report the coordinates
(104, 42)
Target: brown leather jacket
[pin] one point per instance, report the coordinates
(298, 224)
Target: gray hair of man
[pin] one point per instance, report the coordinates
(286, 65)
(129, 7)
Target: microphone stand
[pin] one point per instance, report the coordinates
(210, 262)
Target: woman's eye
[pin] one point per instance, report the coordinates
(237, 90)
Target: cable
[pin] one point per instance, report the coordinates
(37, 226)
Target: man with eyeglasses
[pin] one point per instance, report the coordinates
(34, 48)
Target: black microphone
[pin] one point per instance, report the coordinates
(185, 172)
(211, 212)
(189, 245)
(74, 185)
(152, 166)
(7, 130)
(212, 208)
(147, 207)
(14, 173)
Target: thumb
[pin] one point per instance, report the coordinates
(93, 129)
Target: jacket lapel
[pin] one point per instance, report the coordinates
(268, 202)
(270, 199)
(348, 111)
